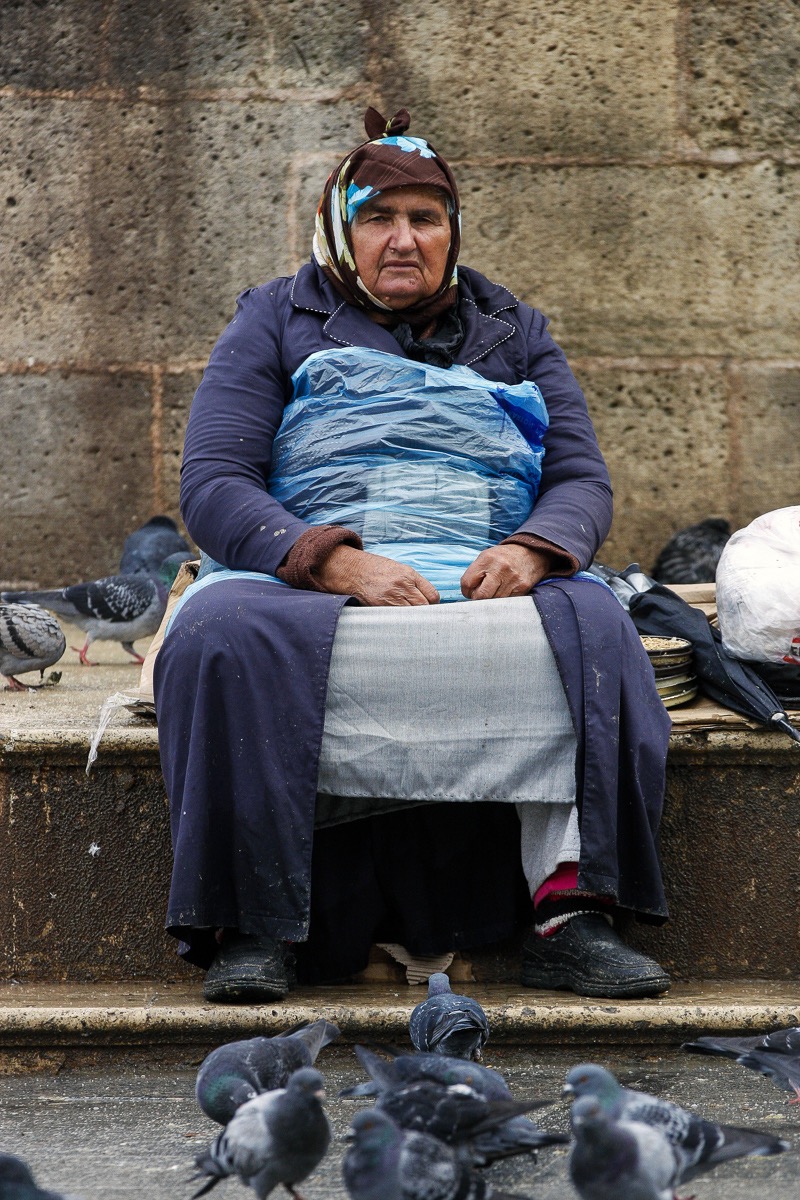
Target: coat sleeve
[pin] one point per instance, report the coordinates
(228, 449)
(574, 506)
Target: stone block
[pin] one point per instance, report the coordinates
(665, 437)
(767, 409)
(742, 60)
(502, 80)
(670, 260)
(78, 473)
(82, 852)
(178, 391)
(183, 45)
(133, 228)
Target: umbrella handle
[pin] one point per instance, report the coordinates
(782, 721)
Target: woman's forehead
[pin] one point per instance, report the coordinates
(406, 199)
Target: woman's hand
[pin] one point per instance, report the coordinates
(508, 570)
(373, 579)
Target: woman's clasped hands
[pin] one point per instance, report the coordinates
(374, 580)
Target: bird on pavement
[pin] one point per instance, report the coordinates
(116, 608)
(277, 1137)
(619, 1160)
(692, 554)
(448, 1023)
(776, 1055)
(30, 640)
(481, 1131)
(146, 548)
(400, 1069)
(17, 1182)
(384, 1162)
(699, 1145)
(236, 1072)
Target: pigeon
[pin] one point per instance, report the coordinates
(278, 1137)
(146, 548)
(447, 1023)
(691, 556)
(699, 1145)
(17, 1182)
(384, 1162)
(116, 608)
(238, 1071)
(776, 1055)
(410, 1068)
(619, 1160)
(30, 640)
(481, 1131)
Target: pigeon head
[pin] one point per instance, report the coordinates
(169, 568)
(596, 1082)
(372, 1127)
(438, 984)
(307, 1082)
(586, 1111)
(14, 1170)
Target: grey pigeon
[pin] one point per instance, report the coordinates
(146, 548)
(619, 1160)
(385, 1162)
(699, 1145)
(410, 1068)
(30, 640)
(117, 608)
(236, 1072)
(481, 1131)
(692, 554)
(776, 1055)
(447, 1023)
(278, 1137)
(17, 1182)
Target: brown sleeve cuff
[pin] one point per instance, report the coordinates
(310, 550)
(563, 563)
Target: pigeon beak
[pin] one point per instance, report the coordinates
(346, 1137)
(320, 1093)
(568, 1090)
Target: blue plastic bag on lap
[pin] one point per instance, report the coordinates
(430, 465)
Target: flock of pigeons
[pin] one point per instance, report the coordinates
(440, 1118)
(122, 607)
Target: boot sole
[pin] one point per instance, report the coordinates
(243, 991)
(564, 980)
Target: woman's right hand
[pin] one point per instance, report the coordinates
(373, 579)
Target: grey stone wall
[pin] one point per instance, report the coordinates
(630, 168)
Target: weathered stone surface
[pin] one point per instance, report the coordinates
(767, 425)
(77, 474)
(134, 228)
(666, 440)
(675, 261)
(569, 78)
(188, 43)
(178, 391)
(743, 59)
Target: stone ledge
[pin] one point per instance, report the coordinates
(119, 1016)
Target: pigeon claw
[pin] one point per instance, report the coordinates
(81, 653)
(14, 685)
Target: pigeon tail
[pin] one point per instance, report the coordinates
(317, 1035)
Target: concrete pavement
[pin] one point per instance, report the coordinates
(130, 1133)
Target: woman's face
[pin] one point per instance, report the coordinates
(401, 241)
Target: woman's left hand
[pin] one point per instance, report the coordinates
(508, 570)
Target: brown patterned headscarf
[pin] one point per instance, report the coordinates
(388, 160)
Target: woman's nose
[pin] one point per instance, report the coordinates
(403, 235)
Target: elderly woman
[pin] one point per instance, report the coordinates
(380, 435)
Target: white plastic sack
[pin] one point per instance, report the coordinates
(758, 589)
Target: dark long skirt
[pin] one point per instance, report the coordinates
(240, 689)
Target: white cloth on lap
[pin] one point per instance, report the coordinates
(446, 702)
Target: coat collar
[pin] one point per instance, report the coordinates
(484, 308)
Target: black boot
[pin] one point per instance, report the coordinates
(589, 958)
(247, 970)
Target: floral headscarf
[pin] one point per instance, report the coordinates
(388, 160)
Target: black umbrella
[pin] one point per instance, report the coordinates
(656, 611)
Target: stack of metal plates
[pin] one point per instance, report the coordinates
(673, 663)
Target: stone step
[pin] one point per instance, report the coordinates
(88, 860)
(63, 1022)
